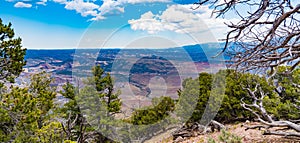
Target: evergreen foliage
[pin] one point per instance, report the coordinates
(99, 96)
(11, 54)
(25, 111)
(162, 107)
(230, 110)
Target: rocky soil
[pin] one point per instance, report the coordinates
(248, 136)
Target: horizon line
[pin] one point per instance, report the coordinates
(91, 48)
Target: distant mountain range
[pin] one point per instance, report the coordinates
(198, 53)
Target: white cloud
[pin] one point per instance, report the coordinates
(97, 18)
(84, 8)
(108, 7)
(180, 19)
(60, 1)
(144, 1)
(42, 2)
(117, 6)
(22, 5)
(148, 22)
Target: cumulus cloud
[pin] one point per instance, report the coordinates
(84, 8)
(117, 6)
(89, 7)
(22, 5)
(149, 22)
(111, 6)
(180, 19)
(108, 7)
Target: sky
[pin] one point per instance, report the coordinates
(56, 24)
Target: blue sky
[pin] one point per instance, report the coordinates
(44, 24)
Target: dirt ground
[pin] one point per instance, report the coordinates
(248, 136)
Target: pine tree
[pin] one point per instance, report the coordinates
(97, 100)
(11, 54)
(25, 112)
(105, 87)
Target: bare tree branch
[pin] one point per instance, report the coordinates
(257, 108)
(266, 36)
(281, 133)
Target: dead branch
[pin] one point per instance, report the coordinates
(280, 133)
(266, 36)
(197, 129)
(257, 108)
(256, 126)
(216, 125)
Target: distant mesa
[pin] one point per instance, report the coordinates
(45, 66)
(149, 67)
(68, 65)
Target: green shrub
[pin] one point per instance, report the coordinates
(226, 137)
